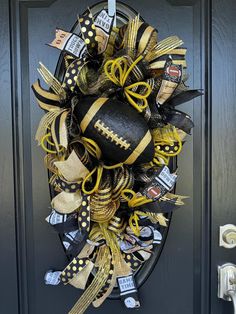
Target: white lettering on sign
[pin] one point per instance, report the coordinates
(76, 46)
(168, 178)
(126, 283)
(104, 21)
(54, 218)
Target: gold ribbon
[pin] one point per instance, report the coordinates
(66, 203)
(72, 169)
(96, 285)
(118, 71)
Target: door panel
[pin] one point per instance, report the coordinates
(8, 265)
(175, 270)
(185, 278)
(223, 137)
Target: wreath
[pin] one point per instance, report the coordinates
(112, 132)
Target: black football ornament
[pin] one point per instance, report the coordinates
(119, 130)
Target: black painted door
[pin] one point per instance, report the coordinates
(185, 278)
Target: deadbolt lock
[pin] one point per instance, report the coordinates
(228, 236)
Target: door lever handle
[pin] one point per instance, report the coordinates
(227, 283)
(232, 295)
(232, 281)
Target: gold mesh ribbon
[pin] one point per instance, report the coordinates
(96, 285)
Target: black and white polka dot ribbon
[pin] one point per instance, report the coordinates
(71, 270)
(84, 215)
(88, 32)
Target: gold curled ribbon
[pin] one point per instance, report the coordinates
(117, 71)
(134, 219)
(135, 200)
(92, 147)
(44, 147)
(99, 171)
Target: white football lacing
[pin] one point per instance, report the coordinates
(109, 134)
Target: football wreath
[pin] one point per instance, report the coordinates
(111, 131)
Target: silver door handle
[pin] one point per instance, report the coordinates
(227, 283)
(232, 295)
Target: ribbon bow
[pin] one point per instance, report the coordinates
(118, 71)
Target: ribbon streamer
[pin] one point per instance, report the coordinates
(118, 71)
